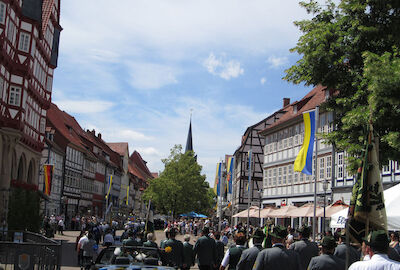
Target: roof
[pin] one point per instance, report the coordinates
(137, 166)
(66, 125)
(121, 147)
(47, 8)
(313, 99)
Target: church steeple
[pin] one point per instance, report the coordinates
(189, 142)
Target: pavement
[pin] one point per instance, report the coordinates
(69, 260)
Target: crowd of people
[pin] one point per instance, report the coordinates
(273, 247)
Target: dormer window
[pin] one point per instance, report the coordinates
(69, 128)
(295, 108)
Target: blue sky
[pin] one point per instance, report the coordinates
(133, 70)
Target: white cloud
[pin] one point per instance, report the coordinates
(149, 151)
(226, 69)
(129, 134)
(84, 106)
(277, 62)
(263, 80)
(151, 75)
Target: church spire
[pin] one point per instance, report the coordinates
(189, 142)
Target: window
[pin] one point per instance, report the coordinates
(274, 179)
(322, 168)
(270, 177)
(280, 176)
(2, 12)
(296, 177)
(290, 173)
(328, 167)
(15, 96)
(284, 174)
(24, 39)
(340, 165)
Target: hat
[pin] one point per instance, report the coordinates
(279, 232)
(304, 229)
(377, 239)
(328, 242)
(258, 234)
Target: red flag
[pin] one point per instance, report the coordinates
(48, 177)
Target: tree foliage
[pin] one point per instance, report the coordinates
(24, 210)
(181, 187)
(352, 48)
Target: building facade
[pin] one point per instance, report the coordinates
(29, 37)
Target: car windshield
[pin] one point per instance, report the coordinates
(128, 255)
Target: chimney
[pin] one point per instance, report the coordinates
(99, 135)
(286, 101)
(94, 132)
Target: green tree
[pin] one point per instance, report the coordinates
(339, 47)
(181, 187)
(24, 210)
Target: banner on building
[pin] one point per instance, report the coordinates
(304, 159)
(229, 174)
(48, 178)
(218, 179)
(109, 186)
(367, 205)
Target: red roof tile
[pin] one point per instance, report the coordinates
(313, 98)
(121, 148)
(154, 174)
(47, 8)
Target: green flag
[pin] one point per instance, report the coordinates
(367, 206)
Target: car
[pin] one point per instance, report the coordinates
(129, 257)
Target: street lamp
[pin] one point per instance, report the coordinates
(325, 187)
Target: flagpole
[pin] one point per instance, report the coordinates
(315, 171)
(220, 197)
(249, 189)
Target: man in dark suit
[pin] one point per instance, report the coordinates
(220, 249)
(188, 253)
(174, 249)
(341, 249)
(249, 256)
(205, 250)
(327, 261)
(304, 247)
(277, 257)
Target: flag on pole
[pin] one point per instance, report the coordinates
(217, 179)
(229, 175)
(48, 178)
(127, 195)
(109, 186)
(367, 205)
(304, 159)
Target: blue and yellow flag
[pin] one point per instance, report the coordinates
(229, 175)
(303, 162)
(109, 187)
(217, 179)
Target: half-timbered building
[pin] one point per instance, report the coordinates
(29, 37)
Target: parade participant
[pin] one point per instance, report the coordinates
(304, 247)
(249, 256)
(376, 246)
(394, 241)
(277, 257)
(327, 261)
(108, 238)
(220, 249)
(61, 226)
(188, 253)
(131, 240)
(205, 250)
(341, 250)
(232, 255)
(175, 255)
(150, 241)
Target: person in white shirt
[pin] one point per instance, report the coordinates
(377, 245)
(79, 246)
